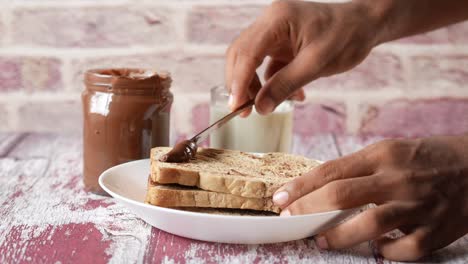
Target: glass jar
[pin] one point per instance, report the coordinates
(256, 133)
(126, 113)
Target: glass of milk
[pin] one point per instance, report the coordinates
(256, 133)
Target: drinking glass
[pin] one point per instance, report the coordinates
(256, 133)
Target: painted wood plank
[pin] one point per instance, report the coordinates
(46, 145)
(16, 179)
(8, 141)
(167, 248)
(53, 219)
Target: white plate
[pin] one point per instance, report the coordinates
(127, 183)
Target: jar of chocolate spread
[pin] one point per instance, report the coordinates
(126, 113)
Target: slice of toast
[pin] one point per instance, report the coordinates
(231, 172)
(175, 196)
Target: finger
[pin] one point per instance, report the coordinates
(443, 233)
(343, 194)
(350, 166)
(255, 85)
(243, 74)
(367, 225)
(303, 69)
(251, 49)
(273, 67)
(298, 95)
(229, 66)
(407, 248)
(246, 113)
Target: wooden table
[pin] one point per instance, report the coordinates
(47, 217)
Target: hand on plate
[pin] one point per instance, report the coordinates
(419, 186)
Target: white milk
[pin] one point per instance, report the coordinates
(257, 133)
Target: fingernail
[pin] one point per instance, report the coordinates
(268, 105)
(285, 212)
(231, 100)
(321, 242)
(163, 158)
(280, 198)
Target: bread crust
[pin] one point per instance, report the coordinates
(177, 196)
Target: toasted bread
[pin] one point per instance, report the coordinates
(176, 196)
(231, 172)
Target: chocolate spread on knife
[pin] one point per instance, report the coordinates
(183, 151)
(126, 113)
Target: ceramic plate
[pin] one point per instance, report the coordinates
(127, 184)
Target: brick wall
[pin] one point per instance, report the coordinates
(411, 87)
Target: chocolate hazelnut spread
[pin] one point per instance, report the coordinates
(183, 151)
(126, 113)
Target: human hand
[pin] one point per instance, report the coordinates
(305, 41)
(419, 186)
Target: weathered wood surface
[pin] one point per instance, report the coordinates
(47, 217)
(8, 142)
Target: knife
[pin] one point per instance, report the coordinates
(186, 150)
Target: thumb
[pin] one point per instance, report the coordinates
(282, 85)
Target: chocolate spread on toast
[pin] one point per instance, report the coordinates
(183, 151)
